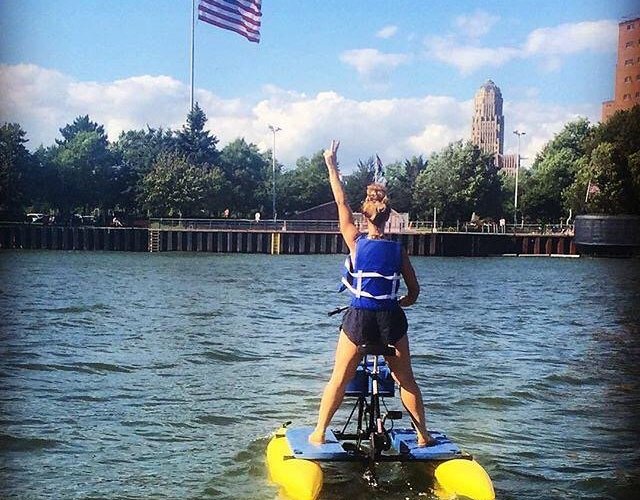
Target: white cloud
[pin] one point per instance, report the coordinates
(540, 122)
(387, 31)
(549, 45)
(476, 24)
(372, 65)
(572, 38)
(43, 101)
(467, 58)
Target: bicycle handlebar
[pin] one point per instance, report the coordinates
(337, 310)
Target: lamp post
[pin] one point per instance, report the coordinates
(515, 198)
(274, 129)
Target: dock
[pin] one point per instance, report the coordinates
(281, 239)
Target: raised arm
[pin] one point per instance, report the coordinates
(410, 279)
(348, 229)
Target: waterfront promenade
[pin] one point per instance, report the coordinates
(278, 237)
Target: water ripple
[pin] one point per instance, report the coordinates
(162, 376)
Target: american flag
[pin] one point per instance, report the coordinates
(241, 16)
(378, 174)
(592, 188)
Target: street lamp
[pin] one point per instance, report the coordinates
(515, 199)
(274, 129)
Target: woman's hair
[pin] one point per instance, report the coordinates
(376, 207)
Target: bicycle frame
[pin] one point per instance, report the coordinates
(370, 420)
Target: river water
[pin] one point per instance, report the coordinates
(163, 375)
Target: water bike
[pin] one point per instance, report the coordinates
(369, 436)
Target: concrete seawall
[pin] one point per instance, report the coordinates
(25, 236)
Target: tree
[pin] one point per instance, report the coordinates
(306, 186)
(458, 181)
(194, 143)
(619, 161)
(177, 187)
(355, 184)
(507, 195)
(140, 148)
(593, 171)
(136, 151)
(81, 124)
(81, 168)
(84, 166)
(544, 193)
(16, 165)
(248, 176)
(401, 178)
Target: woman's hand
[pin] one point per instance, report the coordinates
(331, 155)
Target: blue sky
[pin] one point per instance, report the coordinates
(392, 77)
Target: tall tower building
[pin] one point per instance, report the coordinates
(627, 77)
(487, 129)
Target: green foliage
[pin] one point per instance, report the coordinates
(249, 178)
(176, 187)
(607, 177)
(15, 164)
(458, 181)
(304, 187)
(401, 178)
(43, 183)
(355, 185)
(194, 142)
(138, 149)
(81, 124)
(173, 173)
(84, 165)
(545, 192)
(594, 171)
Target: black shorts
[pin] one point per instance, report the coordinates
(366, 326)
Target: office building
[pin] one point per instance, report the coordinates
(627, 74)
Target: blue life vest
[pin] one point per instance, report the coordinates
(374, 277)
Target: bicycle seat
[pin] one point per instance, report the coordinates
(377, 349)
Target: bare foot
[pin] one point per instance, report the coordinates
(316, 437)
(426, 442)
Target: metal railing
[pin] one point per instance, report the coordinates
(490, 227)
(246, 224)
(332, 226)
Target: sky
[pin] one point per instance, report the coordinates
(393, 78)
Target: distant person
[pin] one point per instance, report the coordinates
(226, 213)
(375, 315)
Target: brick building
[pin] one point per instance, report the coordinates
(627, 74)
(507, 163)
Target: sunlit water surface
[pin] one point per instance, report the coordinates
(163, 375)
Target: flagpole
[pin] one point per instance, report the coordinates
(193, 31)
(586, 195)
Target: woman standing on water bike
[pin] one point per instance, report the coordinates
(375, 315)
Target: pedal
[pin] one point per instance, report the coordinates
(383, 442)
(394, 415)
